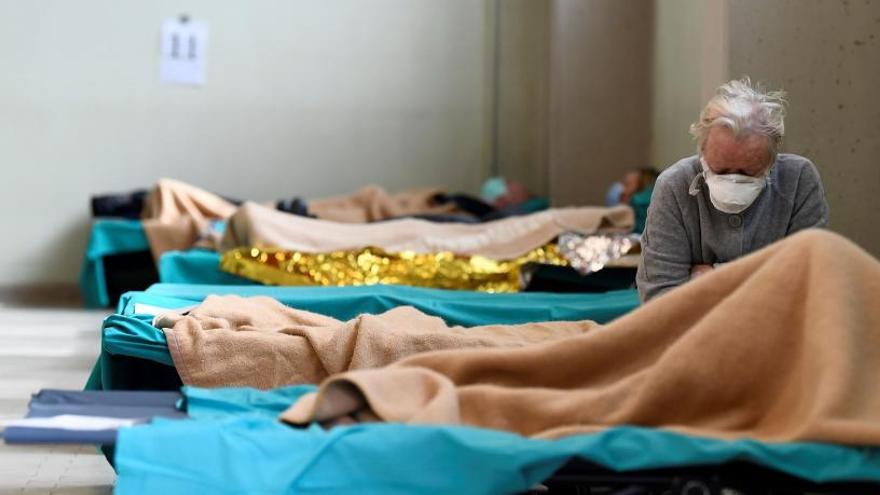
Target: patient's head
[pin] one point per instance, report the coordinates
(741, 128)
(500, 192)
(631, 182)
(635, 181)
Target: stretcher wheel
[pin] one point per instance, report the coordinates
(694, 487)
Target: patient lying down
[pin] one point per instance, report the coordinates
(259, 342)
(781, 345)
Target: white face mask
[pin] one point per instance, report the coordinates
(732, 193)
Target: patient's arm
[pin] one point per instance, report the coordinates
(666, 254)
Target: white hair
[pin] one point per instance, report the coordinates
(745, 109)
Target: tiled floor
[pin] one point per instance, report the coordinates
(48, 348)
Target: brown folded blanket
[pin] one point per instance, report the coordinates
(259, 342)
(176, 214)
(781, 345)
(372, 203)
(509, 238)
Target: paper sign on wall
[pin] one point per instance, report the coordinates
(184, 50)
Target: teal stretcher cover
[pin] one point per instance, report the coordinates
(196, 266)
(108, 237)
(233, 445)
(456, 307)
(128, 333)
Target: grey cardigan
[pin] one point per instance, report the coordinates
(684, 229)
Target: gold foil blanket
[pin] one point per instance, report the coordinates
(372, 266)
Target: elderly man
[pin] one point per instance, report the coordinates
(737, 195)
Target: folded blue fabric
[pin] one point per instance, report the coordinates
(19, 435)
(233, 445)
(47, 403)
(51, 397)
(141, 405)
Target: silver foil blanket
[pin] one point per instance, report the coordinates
(591, 253)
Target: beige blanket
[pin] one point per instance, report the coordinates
(372, 203)
(258, 342)
(255, 225)
(176, 215)
(781, 345)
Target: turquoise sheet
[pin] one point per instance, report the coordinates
(108, 237)
(233, 446)
(196, 266)
(135, 336)
(129, 334)
(466, 308)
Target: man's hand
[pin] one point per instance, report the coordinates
(698, 270)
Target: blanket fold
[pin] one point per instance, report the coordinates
(176, 215)
(254, 225)
(781, 345)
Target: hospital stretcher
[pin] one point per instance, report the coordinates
(118, 260)
(229, 441)
(134, 353)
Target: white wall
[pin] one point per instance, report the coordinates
(302, 97)
(823, 53)
(600, 96)
(826, 55)
(690, 61)
(523, 91)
